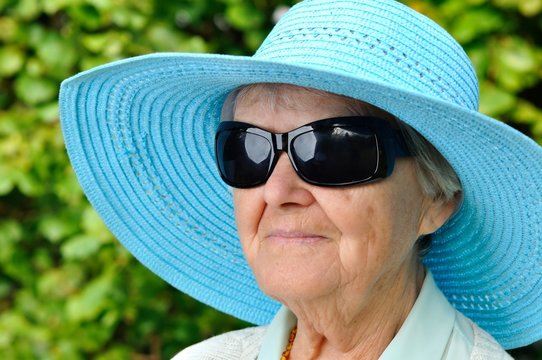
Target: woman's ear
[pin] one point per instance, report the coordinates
(436, 213)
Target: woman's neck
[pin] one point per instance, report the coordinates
(343, 326)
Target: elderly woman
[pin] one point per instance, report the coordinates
(377, 214)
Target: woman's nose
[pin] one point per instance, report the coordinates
(284, 187)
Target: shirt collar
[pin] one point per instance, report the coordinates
(426, 331)
(423, 336)
(276, 337)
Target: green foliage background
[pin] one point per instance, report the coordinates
(68, 290)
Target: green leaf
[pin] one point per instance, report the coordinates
(80, 247)
(254, 39)
(163, 37)
(244, 16)
(7, 182)
(515, 54)
(11, 60)
(87, 16)
(27, 9)
(93, 224)
(527, 113)
(472, 24)
(495, 101)
(97, 42)
(515, 64)
(537, 131)
(480, 58)
(11, 323)
(67, 188)
(33, 90)
(11, 234)
(29, 184)
(48, 113)
(530, 7)
(56, 53)
(87, 305)
(8, 29)
(127, 18)
(55, 228)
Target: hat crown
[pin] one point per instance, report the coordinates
(379, 40)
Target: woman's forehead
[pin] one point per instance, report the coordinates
(270, 96)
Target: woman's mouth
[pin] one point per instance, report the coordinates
(294, 237)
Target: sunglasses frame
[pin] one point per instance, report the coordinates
(390, 145)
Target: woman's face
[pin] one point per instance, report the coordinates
(305, 242)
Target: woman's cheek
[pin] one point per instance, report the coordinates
(248, 212)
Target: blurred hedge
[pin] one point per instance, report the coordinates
(67, 289)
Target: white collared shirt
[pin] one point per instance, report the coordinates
(433, 330)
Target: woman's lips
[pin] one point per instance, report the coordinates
(294, 237)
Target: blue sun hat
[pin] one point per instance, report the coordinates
(139, 133)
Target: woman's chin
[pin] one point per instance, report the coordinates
(301, 280)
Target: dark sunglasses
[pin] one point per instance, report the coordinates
(331, 152)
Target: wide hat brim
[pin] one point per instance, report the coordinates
(139, 133)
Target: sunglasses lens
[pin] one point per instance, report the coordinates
(336, 156)
(243, 158)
